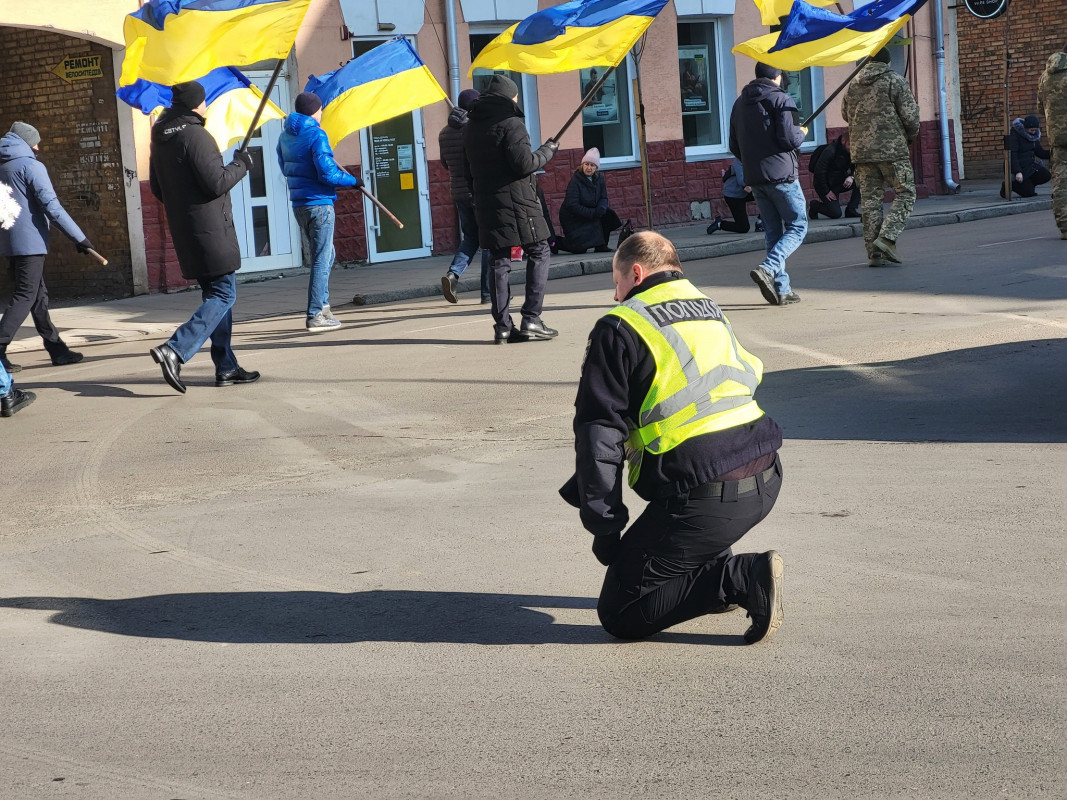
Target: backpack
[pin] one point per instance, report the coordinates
(814, 158)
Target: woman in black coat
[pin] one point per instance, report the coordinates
(585, 216)
(1027, 171)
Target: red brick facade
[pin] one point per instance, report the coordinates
(1035, 29)
(80, 147)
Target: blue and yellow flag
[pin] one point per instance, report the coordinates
(231, 100)
(770, 11)
(815, 37)
(383, 83)
(171, 41)
(575, 35)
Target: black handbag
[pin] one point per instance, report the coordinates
(625, 232)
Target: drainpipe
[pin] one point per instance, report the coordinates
(942, 92)
(453, 48)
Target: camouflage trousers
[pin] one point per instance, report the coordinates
(1058, 166)
(872, 178)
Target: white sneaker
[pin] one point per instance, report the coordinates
(326, 312)
(321, 323)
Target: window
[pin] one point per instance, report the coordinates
(798, 85)
(702, 74)
(526, 83)
(608, 120)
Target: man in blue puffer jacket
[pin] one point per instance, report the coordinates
(313, 176)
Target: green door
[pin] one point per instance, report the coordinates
(394, 164)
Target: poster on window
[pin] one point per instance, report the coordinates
(603, 109)
(693, 72)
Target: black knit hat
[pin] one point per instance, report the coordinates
(767, 71)
(307, 103)
(468, 97)
(187, 95)
(882, 56)
(1031, 122)
(503, 86)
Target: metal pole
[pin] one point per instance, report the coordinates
(453, 48)
(1007, 109)
(942, 91)
(836, 92)
(263, 102)
(643, 144)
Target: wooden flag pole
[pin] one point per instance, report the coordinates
(836, 92)
(380, 207)
(97, 256)
(585, 101)
(263, 103)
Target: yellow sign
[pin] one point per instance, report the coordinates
(79, 68)
(407, 180)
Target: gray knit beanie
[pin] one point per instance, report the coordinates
(26, 132)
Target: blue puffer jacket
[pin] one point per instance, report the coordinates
(32, 190)
(308, 164)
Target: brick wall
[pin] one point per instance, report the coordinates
(80, 147)
(1036, 29)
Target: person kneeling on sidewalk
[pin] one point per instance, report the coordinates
(705, 460)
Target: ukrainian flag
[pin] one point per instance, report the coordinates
(575, 35)
(770, 11)
(231, 100)
(172, 41)
(386, 82)
(814, 37)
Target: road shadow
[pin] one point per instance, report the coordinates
(1010, 392)
(288, 617)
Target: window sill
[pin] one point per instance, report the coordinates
(709, 155)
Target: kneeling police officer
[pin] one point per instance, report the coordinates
(667, 387)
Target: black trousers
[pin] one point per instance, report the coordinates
(676, 561)
(1028, 188)
(739, 211)
(832, 208)
(29, 298)
(537, 263)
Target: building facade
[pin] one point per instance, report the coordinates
(683, 74)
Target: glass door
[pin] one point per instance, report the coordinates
(262, 216)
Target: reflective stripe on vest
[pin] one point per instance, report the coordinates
(704, 381)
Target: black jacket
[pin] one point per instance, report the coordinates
(765, 133)
(616, 377)
(186, 173)
(830, 169)
(450, 140)
(496, 147)
(1024, 154)
(584, 205)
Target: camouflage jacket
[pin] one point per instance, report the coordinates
(1052, 95)
(881, 113)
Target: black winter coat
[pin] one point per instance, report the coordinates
(502, 166)
(450, 140)
(187, 175)
(584, 206)
(1024, 154)
(765, 133)
(830, 169)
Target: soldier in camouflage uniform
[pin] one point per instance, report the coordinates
(883, 118)
(1052, 95)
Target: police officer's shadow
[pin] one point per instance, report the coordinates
(285, 617)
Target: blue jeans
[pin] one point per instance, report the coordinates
(5, 382)
(214, 320)
(468, 245)
(785, 218)
(316, 234)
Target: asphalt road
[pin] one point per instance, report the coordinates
(355, 578)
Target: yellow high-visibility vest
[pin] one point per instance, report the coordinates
(705, 380)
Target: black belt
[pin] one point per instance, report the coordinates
(714, 489)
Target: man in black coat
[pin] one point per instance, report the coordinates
(502, 168)
(831, 175)
(187, 175)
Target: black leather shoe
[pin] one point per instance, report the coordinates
(448, 287)
(765, 596)
(788, 299)
(536, 329)
(11, 368)
(14, 401)
(723, 609)
(602, 249)
(512, 336)
(171, 364)
(235, 376)
(68, 357)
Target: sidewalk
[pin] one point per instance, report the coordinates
(260, 295)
